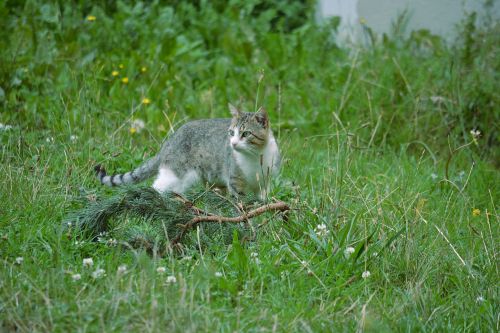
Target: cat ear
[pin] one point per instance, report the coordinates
(261, 117)
(234, 111)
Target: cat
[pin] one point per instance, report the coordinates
(239, 154)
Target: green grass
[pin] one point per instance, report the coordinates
(366, 136)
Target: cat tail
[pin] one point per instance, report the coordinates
(143, 172)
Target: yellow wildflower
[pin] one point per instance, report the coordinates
(146, 101)
(133, 130)
(121, 66)
(115, 73)
(91, 18)
(125, 80)
(362, 20)
(144, 69)
(476, 212)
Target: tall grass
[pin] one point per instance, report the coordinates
(377, 148)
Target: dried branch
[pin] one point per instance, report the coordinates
(277, 206)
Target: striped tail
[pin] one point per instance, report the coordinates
(137, 175)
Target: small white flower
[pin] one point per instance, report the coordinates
(138, 125)
(475, 133)
(88, 262)
(348, 251)
(50, 139)
(321, 230)
(438, 99)
(76, 277)
(171, 279)
(366, 274)
(161, 270)
(73, 138)
(434, 176)
(254, 255)
(218, 274)
(112, 242)
(122, 269)
(98, 273)
(480, 299)
(19, 260)
(4, 127)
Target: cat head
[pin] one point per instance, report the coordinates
(249, 131)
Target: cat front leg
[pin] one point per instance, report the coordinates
(236, 186)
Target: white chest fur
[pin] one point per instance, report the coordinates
(259, 168)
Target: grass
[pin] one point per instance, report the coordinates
(366, 133)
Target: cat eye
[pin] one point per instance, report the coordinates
(245, 134)
(231, 132)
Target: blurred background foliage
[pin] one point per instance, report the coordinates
(190, 58)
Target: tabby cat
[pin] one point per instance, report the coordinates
(239, 154)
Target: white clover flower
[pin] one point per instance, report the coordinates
(438, 99)
(76, 277)
(366, 274)
(348, 251)
(480, 299)
(321, 230)
(122, 269)
(4, 127)
(98, 273)
(171, 279)
(254, 255)
(112, 242)
(19, 260)
(49, 139)
(88, 262)
(137, 125)
(475, 133)
(73, 138)
(161, 270)
(218, 274)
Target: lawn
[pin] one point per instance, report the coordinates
(390, 165)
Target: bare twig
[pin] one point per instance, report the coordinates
(190, 205)
(276, 206)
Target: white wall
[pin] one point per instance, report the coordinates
(438, 16)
